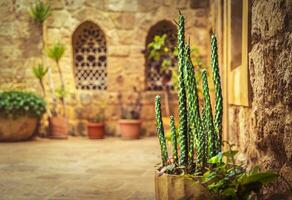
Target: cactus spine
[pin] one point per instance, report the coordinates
(183, 127)
(195, 128)
(173, 140)
(218, 91)
(160, 131)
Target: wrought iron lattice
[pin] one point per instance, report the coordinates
(154, 77)
(90, 59)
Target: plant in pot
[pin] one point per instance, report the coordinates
(58, 121)
(96, 125)
(19, 114)
(130, 122)
(198, 137)
(196, 169)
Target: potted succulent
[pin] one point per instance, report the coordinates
(130, 122)
(19, 115)
(96, 125)
(196, 169)
(39, 12)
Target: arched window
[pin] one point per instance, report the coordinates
(153, 67)
(90, 59)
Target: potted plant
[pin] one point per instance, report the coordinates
(58, 121)
(198, 130)
(19, 114)
(196, 169)
(96, 125)
(130, 122)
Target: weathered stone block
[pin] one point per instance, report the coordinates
(121, 5)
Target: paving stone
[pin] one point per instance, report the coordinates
(78, 168)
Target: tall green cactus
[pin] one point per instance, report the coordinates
(160, 131)
(193, 106)
(218, 91)
(195, 127)
(173, 140)
(183, 127)
(212, 137)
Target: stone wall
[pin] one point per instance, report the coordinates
(125, 24)
(20, 45)
(264, 131)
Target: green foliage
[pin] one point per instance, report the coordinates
(56, 51)
(159, 52)
(39, 71)
(17, 103)
(228, 180)
(61, 93)
(39, 11)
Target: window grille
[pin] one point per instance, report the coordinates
(90, 57)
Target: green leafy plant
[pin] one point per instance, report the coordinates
(39, 11)
(228, 180)
(17, 103)
(198, 129)
(56, 52)
(39, 72)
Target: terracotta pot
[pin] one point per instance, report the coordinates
(130, 128)
(17, 129)
(173, 187)
(95, 130)
(58, 127)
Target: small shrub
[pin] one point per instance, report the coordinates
(17, 103)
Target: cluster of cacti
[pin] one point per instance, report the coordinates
(198, 130)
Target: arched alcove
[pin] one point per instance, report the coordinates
(90, 57)
(153, 73)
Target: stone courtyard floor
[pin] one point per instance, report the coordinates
(78, 169)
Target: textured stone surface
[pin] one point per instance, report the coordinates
(263, 131)
(78, 168)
